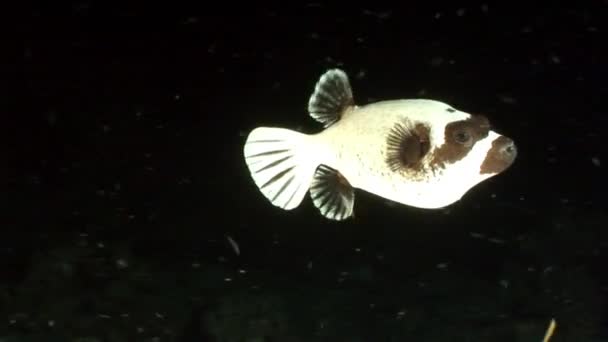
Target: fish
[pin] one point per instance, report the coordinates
(418, 152)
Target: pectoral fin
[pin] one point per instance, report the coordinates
(332, 194)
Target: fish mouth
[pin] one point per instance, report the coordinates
(500, 156)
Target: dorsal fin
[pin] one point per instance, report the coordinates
(332, 194)
(332, 96)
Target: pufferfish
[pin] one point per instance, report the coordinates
(417, 152)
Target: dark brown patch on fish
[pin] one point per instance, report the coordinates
(460, 137)
(500, 156)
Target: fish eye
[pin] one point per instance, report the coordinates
(462, 137)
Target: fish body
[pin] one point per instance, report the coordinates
(418, 152)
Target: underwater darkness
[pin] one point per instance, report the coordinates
(129, 213)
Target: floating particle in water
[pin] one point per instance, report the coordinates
(496, 241)
(596, 161)
(361, 74)
(555, 59)
(34, 180)
(27, 53)
(51, 118)
(484, 8)
(461, 12)
(234, 245)
(436, 61)
(122, 263)
(184, 180)
(330, 60)
(504, 98)
(380, 15)
(191, 20)
(476, 235)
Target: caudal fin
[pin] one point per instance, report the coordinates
(280, 164)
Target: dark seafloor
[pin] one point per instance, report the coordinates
(124, 185)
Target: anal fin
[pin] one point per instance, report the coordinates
(332, 194)
(332, 96)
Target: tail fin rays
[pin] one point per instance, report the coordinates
(280, 165)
